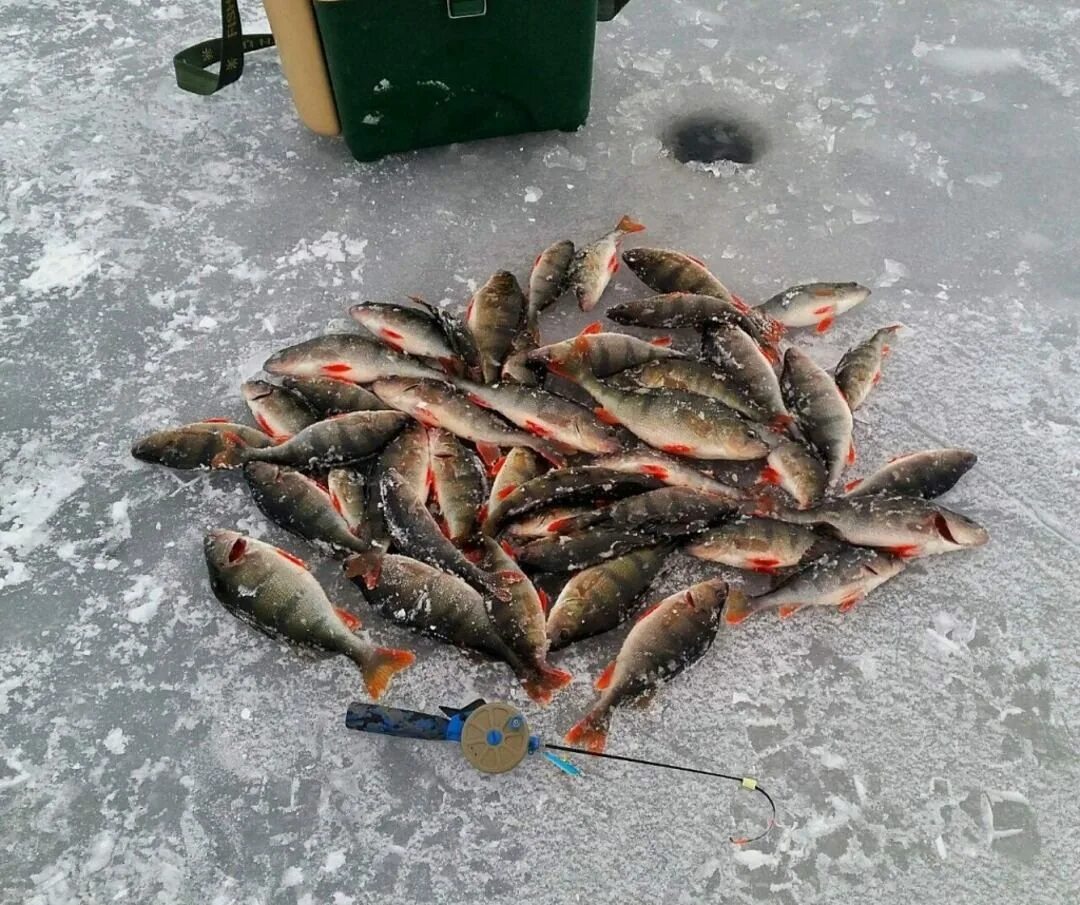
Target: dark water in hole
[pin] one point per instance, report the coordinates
(708, 137)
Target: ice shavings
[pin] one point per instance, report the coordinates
(893, 273)
(33, 488)
(116, 741)
(949, 636)
(63, 264)
(149, 595)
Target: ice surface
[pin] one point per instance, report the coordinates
(157, 246)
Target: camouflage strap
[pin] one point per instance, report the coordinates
(191, 63)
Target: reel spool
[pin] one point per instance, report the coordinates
(495, 738)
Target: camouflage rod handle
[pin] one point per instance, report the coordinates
(398, 723)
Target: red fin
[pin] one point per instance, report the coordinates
(629, 225)
(556, 368)
(545, 681)
(604, 679)
(590, 733)
(473, 556)
(825, 309)
(506, 491)
(382, 666)
(767, 565)
(476, 400)
(497, 465)
(739, 304)
(489, 452)
(774, 331)
(771, 355)
(295, 560)
(539, 257)
(268, 429)
(655, 471)
(849, 602)
(372, 574)
(677, 449)
(824, 324)
(336, 503)
(592, 329)
(559, 525)
(351, 620)
(877, 377)
(613, 264)
(216, 421)
(450, 365)
(736, 607)
(851, 453)
(469, 309)
(482, 513)
(647, 612)
(851, 485)
(780, 423)
(337, 368)
(786, 612)
(904, 551)
(429, 478)
(387, 333)
(545, 601)
(770, 475)
(662, 341)
(508, 549)
(602, 414)
(535, 427)
(238, 549)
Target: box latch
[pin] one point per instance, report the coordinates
(466, 9)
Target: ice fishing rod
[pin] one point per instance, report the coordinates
(495, 738)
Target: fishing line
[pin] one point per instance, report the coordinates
(495, 737)
(747, 782)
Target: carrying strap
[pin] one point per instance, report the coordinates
(192, 62)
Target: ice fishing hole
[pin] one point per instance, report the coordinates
(709, 137)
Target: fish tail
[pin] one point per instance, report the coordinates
(591, 731)
(629, 225)
(380, 666)
(737, 607)
(544, 680)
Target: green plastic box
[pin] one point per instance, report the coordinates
(415, 73)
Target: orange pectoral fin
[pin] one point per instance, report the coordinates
(351, 620)
(848, 603)
(604, 679)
